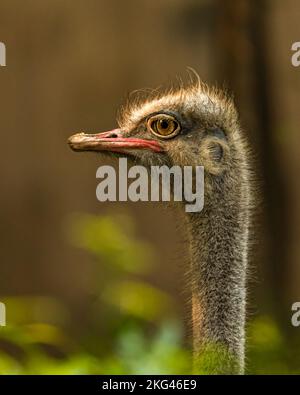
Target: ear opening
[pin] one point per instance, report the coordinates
(214, 153)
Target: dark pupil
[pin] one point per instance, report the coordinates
(164, 124)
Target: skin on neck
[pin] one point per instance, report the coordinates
(218, 248)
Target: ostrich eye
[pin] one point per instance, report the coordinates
(164, 126)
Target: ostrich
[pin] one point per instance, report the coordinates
(196, 125)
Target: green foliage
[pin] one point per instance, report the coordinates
(269, 351)
(137, 332)
(111, 240)
(132, 327)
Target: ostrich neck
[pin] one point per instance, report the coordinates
(218, 241)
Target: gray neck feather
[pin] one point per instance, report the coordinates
(218, 241)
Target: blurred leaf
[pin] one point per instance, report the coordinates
(9, 365)
(111, 239)
(160, 355)
(267, 348)
(137, 299)
(27, 309)
(263, 332)
(47, 334)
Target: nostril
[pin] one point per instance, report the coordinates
(113, 136)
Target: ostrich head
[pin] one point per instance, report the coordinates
(198, 126)
(187, 127)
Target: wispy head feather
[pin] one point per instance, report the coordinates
(191, 96)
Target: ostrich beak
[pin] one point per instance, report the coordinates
(113, 141)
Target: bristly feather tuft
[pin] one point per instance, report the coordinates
(190, 96)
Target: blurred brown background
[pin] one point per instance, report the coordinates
(70, 64)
